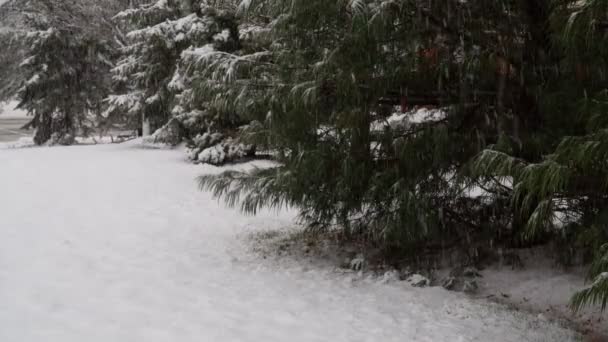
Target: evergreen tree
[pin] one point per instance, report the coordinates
(162, 79)
(147, 65)
(66, 84)
(563, 193)
(63, 76)
(205, 103)
(12, 55)
(336, 70)
(12, 52)
(505, 163)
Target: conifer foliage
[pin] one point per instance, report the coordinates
(334, 77)
(65, 72)
(162, 76)
(66, 83)
(563, 192)
(516, 155)
(148, 62)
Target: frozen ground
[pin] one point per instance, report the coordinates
(545, 288)
(11, 121)
(8, 111)
(11, 134)
(115, 243)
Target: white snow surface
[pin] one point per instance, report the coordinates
(8, 111)
(543, 286)
(115, 243)
(418, 115)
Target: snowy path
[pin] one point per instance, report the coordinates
(113, 243)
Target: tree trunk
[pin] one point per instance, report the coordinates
(145, 127)
(43, 123)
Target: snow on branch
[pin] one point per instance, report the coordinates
(220, 65)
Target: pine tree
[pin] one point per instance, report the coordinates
(506, 162)
(12, 52)
(63, 76)
(206, 106)
(162, 81)
(12, 55)
(337, 69)
(149, 56)
(149, 76)
(65, 85)
(563, 193)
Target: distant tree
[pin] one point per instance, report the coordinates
(161, 78)
(67, 50)
(66, 83)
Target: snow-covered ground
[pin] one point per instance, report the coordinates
(115, 243)
(8, 110)
(11, 122)
(544, 287)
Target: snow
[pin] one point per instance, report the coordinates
(418, 280)
(115, 243)
(601, 278)
(545, 287)
(213, 155)
(190, 27)
(8, 111)
(22, 142)
(177, 82)
(222, 36)
(160, 6)
(418, 115)
(251, 32)
(201, 52)
(131, 102)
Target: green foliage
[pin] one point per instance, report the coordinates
(164, 76)
(597, 292)
(56, 58)
(66, 83)
(563, 192)
(335, 70)
(259, 188)
(149, 57)
(518, 154)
